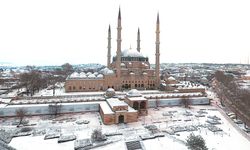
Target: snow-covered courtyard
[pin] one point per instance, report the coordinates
(171, 126)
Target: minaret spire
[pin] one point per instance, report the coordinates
(157, 53)
(138, 40)
(119, 14)
(109, 47)
(118, 51)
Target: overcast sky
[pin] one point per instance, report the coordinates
(52, 32)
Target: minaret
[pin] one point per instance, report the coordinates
(119, 41)
(138, 40)
(157, 53)
(109, 47)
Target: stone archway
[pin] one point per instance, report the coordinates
(143, 105)
(136, 105)
(121, 119)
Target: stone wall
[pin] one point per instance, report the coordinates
(43, 109)
(177, 101)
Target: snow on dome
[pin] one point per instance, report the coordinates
(89, 73)
(131, 53)
(123, 65)
(91, 76)
(171, 79)
(106, 71)
(95, 73)
(110, 92)
(133, 93)
(131, 73)
(74, 75)
(99, 76)
(82, 75)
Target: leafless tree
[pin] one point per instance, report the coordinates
(21, 113)
(185, 101)
(97, 135)
(67, 69)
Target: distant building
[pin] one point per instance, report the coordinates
(129, 69)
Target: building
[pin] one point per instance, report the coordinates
(115, 111)
(129, 69)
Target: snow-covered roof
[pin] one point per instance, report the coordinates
(105, 108)
(137, 99)
(131, 53)
(133, 93)
(116, 102)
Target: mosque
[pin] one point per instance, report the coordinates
(129, 69)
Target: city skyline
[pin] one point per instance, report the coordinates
(56, 32)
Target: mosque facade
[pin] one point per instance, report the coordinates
(128, 69)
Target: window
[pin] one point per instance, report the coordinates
(80, 87)
(74, 87)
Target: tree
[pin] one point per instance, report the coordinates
(67, 69)
(97, 135)
(21, 113)
(194, 142)
(185, 101)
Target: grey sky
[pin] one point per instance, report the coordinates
(52, 32)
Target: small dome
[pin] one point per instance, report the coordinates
(133, 93)
(95, 73)
(171, 79)
(132, 73)
(74, 75)
(123, 65)
(91, 76)
(106, 71)
(89, 73)
(99, 76)
(110, 92)
(82, 75)
(144, 73)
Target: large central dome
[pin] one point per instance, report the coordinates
(131, 53)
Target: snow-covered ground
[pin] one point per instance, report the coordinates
(229, 138)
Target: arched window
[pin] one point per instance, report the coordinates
(143, 105)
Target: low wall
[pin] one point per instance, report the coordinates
(177, 101)
(43, 109)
